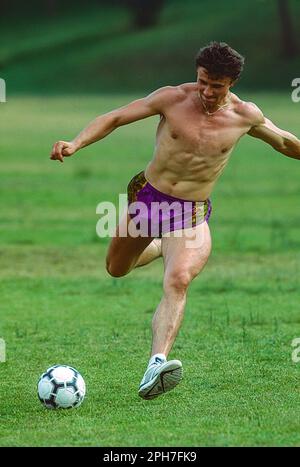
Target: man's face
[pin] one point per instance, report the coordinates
(212, 90)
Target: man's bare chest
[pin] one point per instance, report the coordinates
(209, 135)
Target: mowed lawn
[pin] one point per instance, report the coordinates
(58, 304)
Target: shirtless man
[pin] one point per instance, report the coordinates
(200, 123)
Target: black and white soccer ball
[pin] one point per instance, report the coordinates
(61, 387)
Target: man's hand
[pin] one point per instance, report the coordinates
(62, 149)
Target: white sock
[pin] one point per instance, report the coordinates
(153, 360)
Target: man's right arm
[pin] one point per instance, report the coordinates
(101, 126)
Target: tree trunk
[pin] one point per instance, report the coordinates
(51, 7)
(289, 44)
(145, 12)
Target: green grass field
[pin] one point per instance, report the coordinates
(96, 49)
(58, 304)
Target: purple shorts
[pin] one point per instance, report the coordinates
(156, 213)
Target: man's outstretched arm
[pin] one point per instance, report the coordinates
(104, 124)
(283, 141)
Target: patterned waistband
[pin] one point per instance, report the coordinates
(139, 181)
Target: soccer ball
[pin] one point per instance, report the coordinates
(61, 387)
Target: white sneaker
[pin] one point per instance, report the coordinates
(160, 378)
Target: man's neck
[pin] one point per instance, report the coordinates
(215, 107)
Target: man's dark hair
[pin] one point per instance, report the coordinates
(220, 60)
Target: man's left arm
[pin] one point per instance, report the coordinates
(283, 141)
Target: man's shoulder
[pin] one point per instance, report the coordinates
(172, 92)
(248, 110)
(166, 97)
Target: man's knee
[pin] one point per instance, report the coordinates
(178, 281)
(114, 270)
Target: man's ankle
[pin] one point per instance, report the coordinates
(157, 358)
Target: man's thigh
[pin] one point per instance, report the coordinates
(124, 249)
(188, 253)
